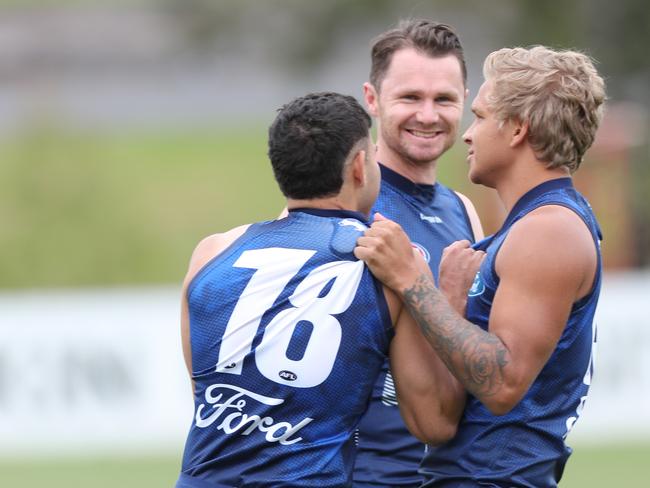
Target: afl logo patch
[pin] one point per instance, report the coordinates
(287, 375)
(478, 287)
(425, 254)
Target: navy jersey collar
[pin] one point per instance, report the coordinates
(326, 212)
(405, 185)
(522, 203)
(531, 195)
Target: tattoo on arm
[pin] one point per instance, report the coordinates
(476, 357)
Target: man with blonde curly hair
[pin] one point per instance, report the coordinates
(524, 349)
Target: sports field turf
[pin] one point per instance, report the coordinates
(93, 208)
(619, 466)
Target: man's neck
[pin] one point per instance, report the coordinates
(517, 184)
(423, 173)
(333, 203)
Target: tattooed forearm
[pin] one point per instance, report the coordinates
(476, 357)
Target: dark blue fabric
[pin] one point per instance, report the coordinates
(433, 217)
(280, 410)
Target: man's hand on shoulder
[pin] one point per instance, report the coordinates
(388, 252)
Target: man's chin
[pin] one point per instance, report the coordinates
(425, 155)
(473, 176)
(478, 179)
(423, 160)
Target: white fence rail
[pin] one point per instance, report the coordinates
(102, 370)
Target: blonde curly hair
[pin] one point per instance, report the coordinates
(558, 93)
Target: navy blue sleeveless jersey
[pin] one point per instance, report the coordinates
(288, 332)
(433, 216)
(525, 447)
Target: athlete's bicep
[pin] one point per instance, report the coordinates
(430, 399)
(541, 267)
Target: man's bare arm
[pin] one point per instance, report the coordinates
(206, 250)
(546, 264)
(474, 356)
(431, 400)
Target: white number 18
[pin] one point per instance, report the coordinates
(274, 269)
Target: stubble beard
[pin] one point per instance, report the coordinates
(405, 152)
(411, 156)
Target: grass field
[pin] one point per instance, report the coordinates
(619, 466)
(93, 208)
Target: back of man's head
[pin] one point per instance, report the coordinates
(310, 140)
(558, 93)
(430, 38)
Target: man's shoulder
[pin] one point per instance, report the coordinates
(550, 239)
(210, 247)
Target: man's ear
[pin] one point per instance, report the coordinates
(358, 168)
(371, 97)
(519, 133)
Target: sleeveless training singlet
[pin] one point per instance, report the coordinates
(525, 447)
(433, 217)
(288, 333)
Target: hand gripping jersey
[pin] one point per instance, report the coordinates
(288, 333)
(524, 448)
(433, 216)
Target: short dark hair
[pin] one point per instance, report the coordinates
(431, 38)
(310, 140)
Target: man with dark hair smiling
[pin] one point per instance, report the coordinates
(417, 92)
